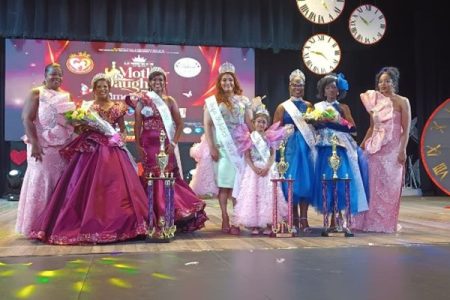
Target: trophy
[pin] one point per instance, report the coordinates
(334, 160)
(162, 158)
(282, 165)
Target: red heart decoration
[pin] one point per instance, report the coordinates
(18, 157)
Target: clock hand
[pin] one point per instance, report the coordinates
(324, 4)
(319, 54)
(364, 20)
(371, 21)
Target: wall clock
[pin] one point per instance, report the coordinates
(321, 54)
(321, 11)
(367, 24)
(435, 146)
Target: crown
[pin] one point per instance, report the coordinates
(139, 59)
(156, 69)
(226, 67)
(261, 110)
(297, 73)
(100, 76)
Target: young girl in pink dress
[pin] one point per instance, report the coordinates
(254, 203)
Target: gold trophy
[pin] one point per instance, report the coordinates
(334, 160)
(282, 165)
(162, 158)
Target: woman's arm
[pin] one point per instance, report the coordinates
(179, 123)
(138, 129)
(406, 124)
(29, 113)
(209, 131)
(278, 116)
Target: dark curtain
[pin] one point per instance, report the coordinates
(4, 148)
(247, 23)
(414, 42)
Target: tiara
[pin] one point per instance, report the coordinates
(100, 76)
(297, 73)
(261, 110)
(156, 69)
(226, 67)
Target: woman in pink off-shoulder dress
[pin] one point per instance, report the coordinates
(385, 143)
(46, 133)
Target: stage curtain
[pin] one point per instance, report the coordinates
(245, 23)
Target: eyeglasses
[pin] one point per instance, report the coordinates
(297, 85)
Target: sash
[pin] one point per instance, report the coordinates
(168, 123)
(222, 132)
(260, 145)
(302, 126)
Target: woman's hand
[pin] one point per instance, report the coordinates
(141, 153)
(36, 151)
(214, 153)
(401, 158)
(170, 148)
(264, 171)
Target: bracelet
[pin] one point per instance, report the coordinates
(173, 144)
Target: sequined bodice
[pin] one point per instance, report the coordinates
(112, 115)
(150, 115)
(235, 115)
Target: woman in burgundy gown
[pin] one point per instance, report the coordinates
(99, 198)
(155, 112)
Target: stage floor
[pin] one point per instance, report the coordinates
(411, 264)
(423, 221)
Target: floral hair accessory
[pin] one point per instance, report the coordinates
(341, 82)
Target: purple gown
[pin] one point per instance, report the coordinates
(189, 209)
(99, 197)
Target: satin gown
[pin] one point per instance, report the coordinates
(189, 209)
(299, 157)
(386, 181)
(99, 198)
(41, 177)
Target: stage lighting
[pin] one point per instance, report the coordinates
(15, 180)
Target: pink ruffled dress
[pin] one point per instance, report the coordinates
(254, 207)
(41, 176)
(385, 172)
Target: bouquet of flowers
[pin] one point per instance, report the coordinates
(88, 118)
(327, 115)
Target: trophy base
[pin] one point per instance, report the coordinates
(282, 235)
(157, 240)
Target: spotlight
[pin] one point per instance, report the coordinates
(15, 180)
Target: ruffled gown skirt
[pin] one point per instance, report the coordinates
(99, 199)
(254, 207)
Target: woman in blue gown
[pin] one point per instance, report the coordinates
(300, 149)
(332, 88)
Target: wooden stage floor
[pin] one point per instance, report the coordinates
(424, 221)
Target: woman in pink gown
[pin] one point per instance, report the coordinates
(46, 133)
(155, 112)
(99, 198)
(385, 144)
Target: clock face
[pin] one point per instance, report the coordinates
(321, 11)
(435, 146)
(367, 24)
(321, 54)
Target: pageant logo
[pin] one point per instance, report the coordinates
(138, 62)
(80, 63)
(187, 67)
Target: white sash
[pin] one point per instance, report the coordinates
(169, 124)
(303, 127)
(260, 145)
(222, 132)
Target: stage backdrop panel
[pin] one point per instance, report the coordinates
(191, 74)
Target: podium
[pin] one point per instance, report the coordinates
(339, 222)
(162, 230)
(279, 227)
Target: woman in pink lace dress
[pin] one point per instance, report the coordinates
(154, 112)
(46, 133)
(385, 143)
(99, 198)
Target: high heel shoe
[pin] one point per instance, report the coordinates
(304, 226)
